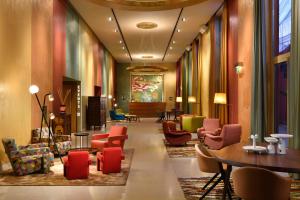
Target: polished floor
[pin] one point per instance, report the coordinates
(153, 174)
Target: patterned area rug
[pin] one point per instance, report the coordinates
(192, 188)
(55, 176)
(182, 151)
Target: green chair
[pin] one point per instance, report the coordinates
(192, 123)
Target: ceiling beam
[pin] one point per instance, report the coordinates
(170, 40)
(120, 30)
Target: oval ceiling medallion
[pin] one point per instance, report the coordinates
(146, 25)
(147, 5)
(147, 69)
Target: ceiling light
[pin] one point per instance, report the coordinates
(123, 47)
(116, 30)
(174, 42)
(183, 19)
(171, 48)
(178, 30)
(147, 57)
(120, 41)
(203, 28)
(146, 25)
(188, 48)
(109, 19)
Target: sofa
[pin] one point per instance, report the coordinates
(28, 159)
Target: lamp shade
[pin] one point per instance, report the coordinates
(33, 89)
(179, 99)
(51, 97)
(220, 98)
(192, 99)
(110, 96)
(51, 116)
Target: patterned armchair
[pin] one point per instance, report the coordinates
(63, 142)
(28, 159)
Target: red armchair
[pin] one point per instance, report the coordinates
(231, 134)
(173, 136)
(76, 165)
(109, 161)
(115, 138)
(210, 126)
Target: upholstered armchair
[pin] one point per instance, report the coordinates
(109, 161)
(210, 126)
(114, 138)
(174, 136)
(77, 165)
(231, 134)
(191, 123)
(28, 159)
(114, 116)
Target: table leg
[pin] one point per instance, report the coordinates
(80, 142)
(226, 189)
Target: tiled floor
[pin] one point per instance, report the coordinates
(153, 174)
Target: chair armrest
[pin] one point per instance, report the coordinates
(200, 129)
(214, 137)
(33, 146)
(100, 136)
(216, 132)
(179, 132)
(118, 137)
(29, 152)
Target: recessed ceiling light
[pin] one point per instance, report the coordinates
(174, 42)
(123, 48)
(183, 19)
(171, 48)
(120, 41)
(178, 30)
(147, 57)
(146, 25)
(116, 30)
(109, 19)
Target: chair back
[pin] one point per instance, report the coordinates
(78, 159)
(231, 134)
(112, 114)
(260, 184)
(206, 162)
(211, 124)
(9, 145)
(118, 130)
(168, 127)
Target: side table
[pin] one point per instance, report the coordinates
(81, 135)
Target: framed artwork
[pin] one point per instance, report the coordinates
(147, 87)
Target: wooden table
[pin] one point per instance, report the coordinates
(234, 155)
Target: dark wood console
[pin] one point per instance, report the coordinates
(145, 109)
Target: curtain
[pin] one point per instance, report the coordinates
(194, 76)
(223, 109)
(185, 78)
(178, 82)
(199, 77)
(293, 91)
(259, 73)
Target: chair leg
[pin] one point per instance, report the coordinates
(98, 164)
(211, 180)
(212, 187)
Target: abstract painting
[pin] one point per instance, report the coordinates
(147, 87)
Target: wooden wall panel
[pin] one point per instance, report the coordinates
(143, 109)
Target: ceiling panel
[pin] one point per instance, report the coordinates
(151, 42)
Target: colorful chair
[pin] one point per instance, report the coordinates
(173, 136)
(114, 138)
(113, 115)
(109, 161)
(231, 134)
(191, 122)
(210, 126)
(76, 165)
(260, 184)
(28, 159)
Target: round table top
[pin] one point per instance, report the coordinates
(81, 134)
(235, 155)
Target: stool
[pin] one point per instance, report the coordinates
(109, 161)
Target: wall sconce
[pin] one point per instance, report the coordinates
(192, 99)
(178, 99)
(239, 68)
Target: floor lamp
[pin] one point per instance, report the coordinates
(220, 98)
(33, 89)
(44, 109)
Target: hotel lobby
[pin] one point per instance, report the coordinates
(164, 100)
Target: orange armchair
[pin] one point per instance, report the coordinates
(231, 134)
(114, 138)
(210, 126)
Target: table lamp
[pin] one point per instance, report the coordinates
(192, 99)
(220, 98)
